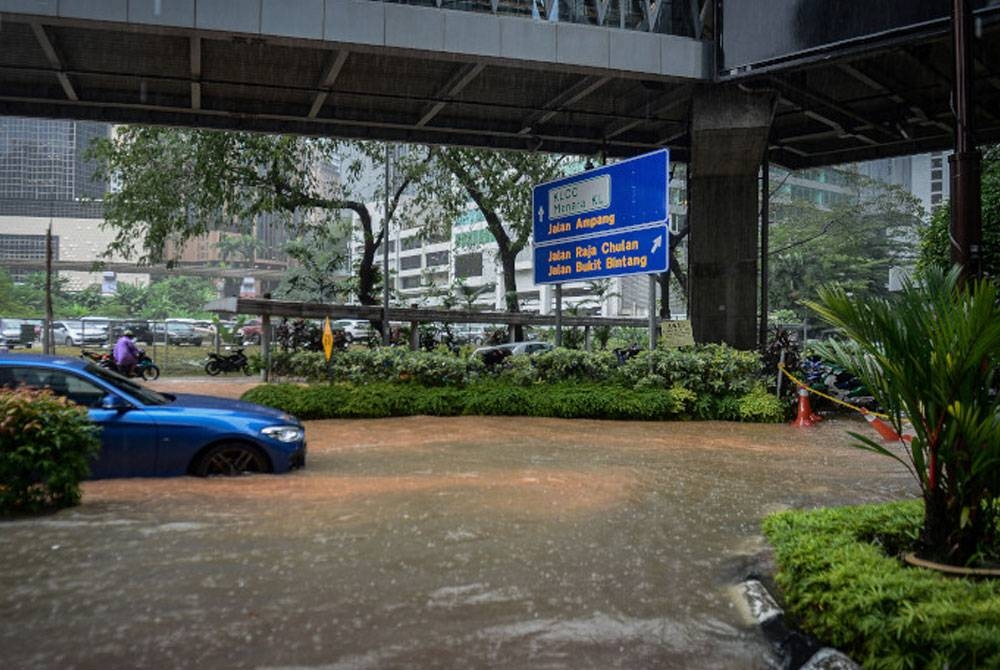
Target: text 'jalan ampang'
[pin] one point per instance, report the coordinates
(582, 223)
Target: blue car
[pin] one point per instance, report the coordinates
(149, 434)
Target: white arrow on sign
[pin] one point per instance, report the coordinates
(541, 213)
(656, 244)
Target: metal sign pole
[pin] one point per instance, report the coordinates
(558, 315)
(385, 255)
(652, 312)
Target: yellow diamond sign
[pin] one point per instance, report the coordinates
(327, 339)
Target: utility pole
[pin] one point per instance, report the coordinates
(47, 344)
(965, 164)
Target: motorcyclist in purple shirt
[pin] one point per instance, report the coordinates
(126, 354)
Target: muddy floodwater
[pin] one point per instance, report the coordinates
(432, 543)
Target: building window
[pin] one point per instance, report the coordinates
(409, 263)
(937, 163)
(936, 174)
(411, 242)
(935, 198)
(25, 248)
(409, 283)
(437, 258)
(469, 265)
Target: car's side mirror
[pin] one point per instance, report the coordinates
(114, 402)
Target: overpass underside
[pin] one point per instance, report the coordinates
(359, 69)
(583, 77)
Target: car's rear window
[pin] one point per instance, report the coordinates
(147, 396)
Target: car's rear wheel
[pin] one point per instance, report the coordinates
(69, 342)
(229, 459)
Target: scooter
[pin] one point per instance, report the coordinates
(144, 367)
(229, 363)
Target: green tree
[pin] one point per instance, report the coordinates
(129, 299)
(320, 257)
(9, 305)
(935, 246)
(178, 184)
(244, 247)
(499, 184)
(30, 295)
(851, 242)
(178, 296)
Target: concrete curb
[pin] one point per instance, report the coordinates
(798, 651)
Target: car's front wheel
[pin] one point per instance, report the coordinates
(229, 459)
(69, 342)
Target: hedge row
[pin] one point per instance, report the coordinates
(705, 369)
(843, 582)
(499, 397)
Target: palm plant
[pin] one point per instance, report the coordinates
(929, 356)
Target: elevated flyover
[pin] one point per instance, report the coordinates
(586, 77)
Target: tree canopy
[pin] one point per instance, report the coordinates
(499, 184)
(935, 246)
(176, 184)
(850, 240)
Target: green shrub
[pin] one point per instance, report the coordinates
(712, 369)
(760, 406)
(708, 369)
(841, 584)
(486, 397)
(561, 365)
(46, 443)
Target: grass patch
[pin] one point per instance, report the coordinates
(843, 582)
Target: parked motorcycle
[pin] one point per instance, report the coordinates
(228, 363)
(144, 367)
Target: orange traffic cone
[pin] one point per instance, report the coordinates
(883, 428)
(806, 417)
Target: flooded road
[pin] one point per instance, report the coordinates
(472, 542)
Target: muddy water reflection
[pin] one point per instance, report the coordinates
(425, 542)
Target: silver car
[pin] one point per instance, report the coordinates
(77, 333)
(354, 329)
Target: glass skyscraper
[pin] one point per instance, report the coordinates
(43, 169)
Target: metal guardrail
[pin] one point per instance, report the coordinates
(307, 310)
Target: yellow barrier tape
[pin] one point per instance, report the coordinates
(856, 408)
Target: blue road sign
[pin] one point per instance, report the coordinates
(627, 194)
(621, 252)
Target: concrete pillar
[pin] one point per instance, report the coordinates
(729, 132)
